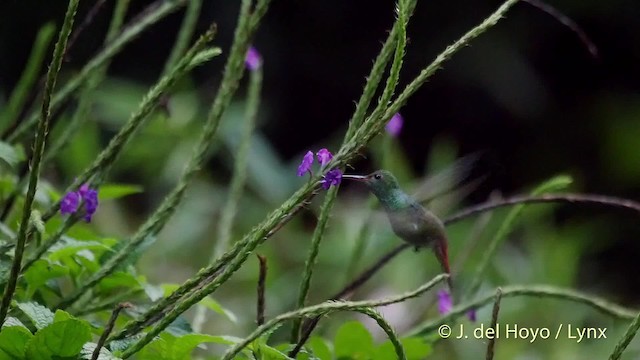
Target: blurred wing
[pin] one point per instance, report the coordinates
(446, 184)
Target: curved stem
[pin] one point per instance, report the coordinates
(328, 307)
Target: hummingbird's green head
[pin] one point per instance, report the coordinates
(381, 183)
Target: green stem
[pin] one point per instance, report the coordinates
(18, 97)
(540, 291)
(166, 209)
(38, 152)
(237, 181)
(494, 323)
(158, 11)
(376, 73)
(626, 338)
(310, 262)
(87, 96)
(184, 35)
(332, 306)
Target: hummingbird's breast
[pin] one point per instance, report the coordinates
(416, 225)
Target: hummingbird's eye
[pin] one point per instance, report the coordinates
(377, 176)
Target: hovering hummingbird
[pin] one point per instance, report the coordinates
(409, 220)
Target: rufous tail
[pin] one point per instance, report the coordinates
(442, 253)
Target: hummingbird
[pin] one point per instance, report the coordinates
(409, 220)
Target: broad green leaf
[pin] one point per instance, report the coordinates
(39, 315)
(320, 348)
(61, 339)
(40, 272)
(70, 247)
(353, 340)
(116, 191)
(13, 342)
(414, 348)
(87, 352)
(207, 302)
(171, 347)
(61, 315)
(184, 345)
(121, 279)
(267, 352)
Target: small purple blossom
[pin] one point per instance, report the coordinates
(305, 165)
(324, 156)
(90, 198)
(471, 314)
(69, 203)
(253, 60)
(445, 303)
(332, 178)
(394, 126)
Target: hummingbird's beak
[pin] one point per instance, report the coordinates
(355, 177)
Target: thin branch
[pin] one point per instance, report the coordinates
(107, 329)
(595, 199)
(91, 14)
(494, 322)
(566, 21)
(262, 278)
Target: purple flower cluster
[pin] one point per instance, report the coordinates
(70, 203)
(445, 304)
(324, 156)
(253, 60)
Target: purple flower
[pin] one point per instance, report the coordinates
(90, 198)
(332, 178)
(445, 303)
(324, 156)
(394, 126)
(305, 165)
(70, 203)
(253, 60)
(471, 314)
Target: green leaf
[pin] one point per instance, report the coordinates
(61, 315)
(354, 341)
(70, 247)
(13, 342)
(60, 339)
(267, 352)
(40, 272)
(171, 347)
(116, 191)
(208, 302)
(87, 352)
(320, 348)
(10, 155)
(184, 345)
(414, 348)
(39, 315)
